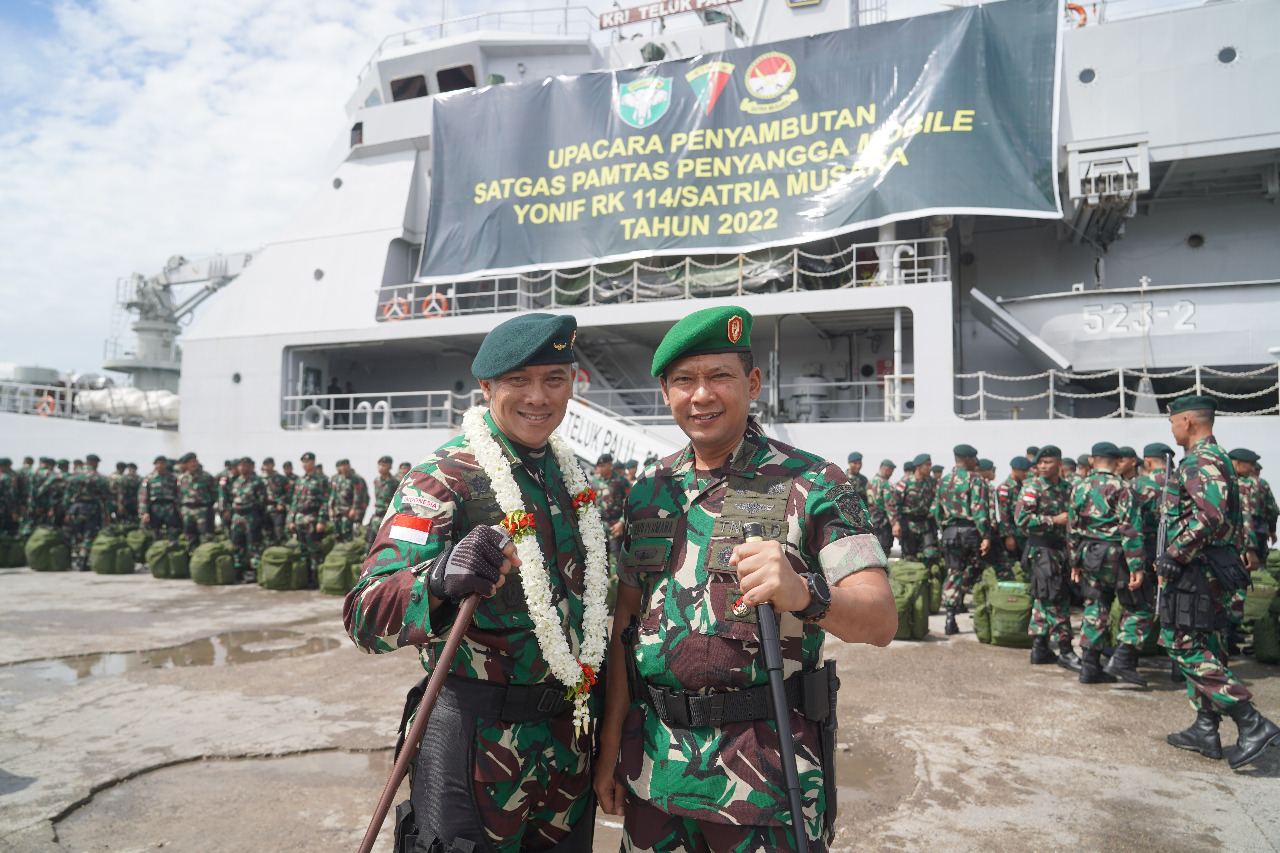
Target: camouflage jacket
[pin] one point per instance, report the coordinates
(911, 502)
(10, 506)
(1039, 501)
(877, 491)
(155, 489)
(278, 491)
(347, 493)
(22, 486)
(1270, 510)
(127, 492)
(87, 486)
(1006, 497)
(1146, 489)
(198, 489)
(1258, 517)
(225, 480)
(384, 489)
(1206, 510)
(1102, 507)
(248, 494)
(682, 526)
(441, 500)
(311, 496)
(859, 484)
(612, 495)
(963, 497)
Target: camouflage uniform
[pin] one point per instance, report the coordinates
(612, 496)
(878, 489)
(10, 503)
(961, 509)
(51, 493)
(85, 500)
(127, 498)
(1008, 564)
(1254, 510)
(384, 489)
(1103, 534)
(22, 492)
(309, 506)
(225, 480)
(530, 778)
(197, 494)
(1205, 521)
(910, 504)
(859, 483)
(347, 492)
(158, 497)
(248, 505)
(722, 782)
(37, 497)
(275, 530)
(1046, 557)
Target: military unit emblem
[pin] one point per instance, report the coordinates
(770, 77)
(708, 81)
(642, 102)
(735, 329)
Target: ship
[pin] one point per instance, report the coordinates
(1151, 268)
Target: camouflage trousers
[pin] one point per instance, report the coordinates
(310, 549)
(648, 829)
(504, 786)
(83, 521)
(961, 548)
(246, 539)
(274, 529)
(1135, 626)
(166, 523)
(198, 525)
(1235, 611)
(1202, 657)
(344, 529)
(919, 542)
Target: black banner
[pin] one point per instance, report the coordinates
(777, 144)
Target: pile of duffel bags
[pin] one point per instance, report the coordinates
(1002, 611)
(46, 550)
(1262, 610)
(912, 584)
(110, 553)
(13, 551)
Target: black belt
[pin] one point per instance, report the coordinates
(914, 517)
(511, 703)
(964, 522)
(245, 510)
(1045, 541)
(682, 709)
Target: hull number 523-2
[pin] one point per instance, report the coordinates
(1137, 317)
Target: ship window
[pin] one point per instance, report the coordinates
(357, 134)
(1088, 75)
(453, 79)
(373, 100)
(1228, 55)
(1195, 241)
(407, 88)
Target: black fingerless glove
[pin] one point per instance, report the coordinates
(474, 565)
(1168, 568)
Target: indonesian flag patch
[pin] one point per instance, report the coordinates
(410, 528)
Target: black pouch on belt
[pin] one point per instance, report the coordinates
(1228, 567)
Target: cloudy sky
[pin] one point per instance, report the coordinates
(131, 130)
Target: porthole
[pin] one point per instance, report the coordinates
(319, 274)
(1195, 241)
(1228, 55)
(235, 377)
(337, 183)
(1087, 76)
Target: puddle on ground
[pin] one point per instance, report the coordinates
(23, 681)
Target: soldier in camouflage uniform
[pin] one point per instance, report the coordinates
(225, 481)
(10, 498)
(878, 488)
(1127, 464)
(1006, 556)
(501, 767)
(1041, 514)
(198, 498)
(688, 752)
(54, 489)
(384, 488)
(1252, 501)
(611, 491)
(856, 478)
(909, 506)
(1106, 551)
(278, 492)
(348, 499)
(39, 511)
(86, 499)
(308, 515)
(127, 506)
(22, 486)
(961, 510)
(158, 502)
(248, 508)
(1200, 568)
(287, 470)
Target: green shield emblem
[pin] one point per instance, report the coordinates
(642, 102)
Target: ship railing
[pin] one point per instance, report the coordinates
(1122, 10)
(385, 410)
(777, 270)
(59, 401)
(1119, 393)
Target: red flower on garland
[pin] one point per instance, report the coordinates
(584, 497)
(518, 522)
(588, 678)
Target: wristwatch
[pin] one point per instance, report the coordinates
(819, 598)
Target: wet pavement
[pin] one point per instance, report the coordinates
(142, 714)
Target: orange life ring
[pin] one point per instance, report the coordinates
(435, 305)
(1079, 10)
(396, 309)
(46, 406)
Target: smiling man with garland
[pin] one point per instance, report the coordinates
(688, 752)
(505, 761)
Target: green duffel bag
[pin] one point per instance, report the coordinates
(1258, 598)
(105, 555)
(168, 560)
(213, 565)
(139, 541)
(909, 582)
(341, 568)
(1273, 561)
(982, 605)
(937, 579)
(328, 542)
(278, 568)
(1266, 634)
(1010, 604)
(13, 551)
(46, 550)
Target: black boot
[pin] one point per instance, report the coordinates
(960, 608)
(1256, 733)
(1124, 664)
(1201, 736)
(1040, 652)
(1233, 642)
(952, 627)
(1091, 671)
(1175, 673)
(1068, 659)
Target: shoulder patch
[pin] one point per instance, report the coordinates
(410, 528)
(1029, 496)
(421, 500)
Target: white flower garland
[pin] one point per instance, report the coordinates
(577, 673)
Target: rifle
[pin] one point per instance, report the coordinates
(414, 737)
(771, 650)
(1162, 529)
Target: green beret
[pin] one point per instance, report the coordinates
(1047, 452)
(631, 463)
(1127, 452)
(986, 465)
(855, 456)
(922, 459)
(342, 462)
(46, 460)
(1082, 459)
(649, 460)
(268, 460)
(133, 465)
(1157, 450)
(605, 457)
(524, 340)
(908, 466)
(1244, 454)
(1105, 449)
(245, 460)
(1192, 402)
(62, 463)
(1020, 463)
(888, 462)
(1032, 450)
(938, 469)
(186, 457)
(92, 457)
(308, 456)
(5, 460)
(965, 450)
(710, 330)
